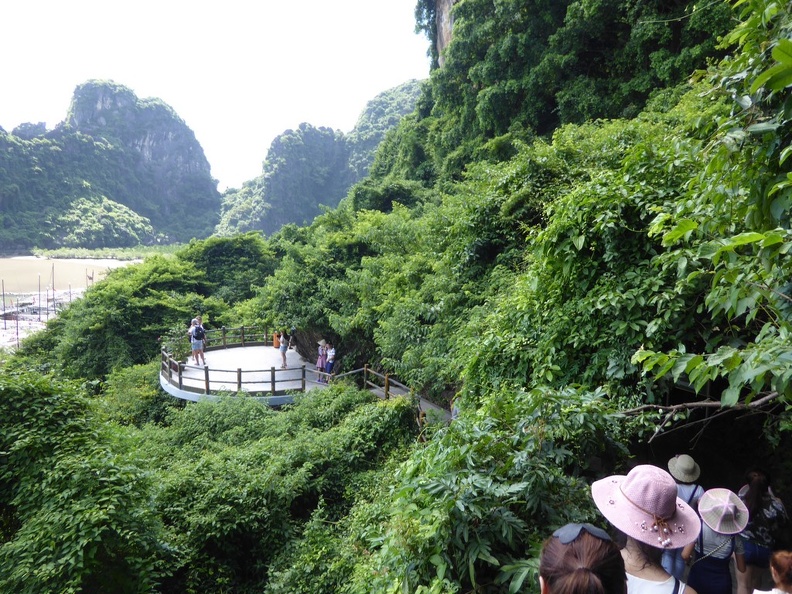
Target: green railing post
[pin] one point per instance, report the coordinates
(303, 378)
(206, 378)
(239, 379)
(272, 380)
(225, 343)
(242, 335)
(387, 386)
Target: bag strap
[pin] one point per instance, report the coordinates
(712, 552)
(676, 586)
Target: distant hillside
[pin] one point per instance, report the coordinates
(311, 166)
(118, 171)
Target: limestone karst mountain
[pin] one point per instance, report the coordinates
(117, 171)
(122, 171)
(312, 166)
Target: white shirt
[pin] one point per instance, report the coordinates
(636, 585)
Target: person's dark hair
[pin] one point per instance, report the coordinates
(758, 484)
(587, 565)
(781, 562)
(651, 555)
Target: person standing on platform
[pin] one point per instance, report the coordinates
(322, 358)
(331, 353)
(283, 347)
(197, 335)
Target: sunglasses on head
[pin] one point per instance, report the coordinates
(570, 532)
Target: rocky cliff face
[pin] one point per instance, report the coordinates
(444, 24)
(167, 157)
(116, 171)
(150, 126)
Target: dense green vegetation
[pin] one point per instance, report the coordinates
(310, 168)
(137, 252)
(516, 67)
(578, 292)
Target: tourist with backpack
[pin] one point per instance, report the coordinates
(197, 335)
(723, 517)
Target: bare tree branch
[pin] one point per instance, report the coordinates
(670, 411)
(754, 404)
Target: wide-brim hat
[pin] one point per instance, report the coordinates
(322, 342)
(723, 511)
(684, 468)
(644, 505)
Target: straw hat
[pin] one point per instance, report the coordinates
(684, 468)
(322, 342)
(722, 510)
(644, 505)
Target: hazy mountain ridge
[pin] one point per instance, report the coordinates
(310, 167)
(131, 171)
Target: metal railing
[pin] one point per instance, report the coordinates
(260, 382)
(385, 387)
(253, 382)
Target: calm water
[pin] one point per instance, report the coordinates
(28, 275)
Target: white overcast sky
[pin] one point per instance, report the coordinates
(238, 72)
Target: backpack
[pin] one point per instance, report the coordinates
(199, 333)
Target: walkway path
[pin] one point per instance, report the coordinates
(259, 363)
(259, 367)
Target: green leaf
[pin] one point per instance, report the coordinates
(518, 579)
(763, 127)
(682, 229)
(772, 238)
(730, 396)
(745, 238)
(783, 51)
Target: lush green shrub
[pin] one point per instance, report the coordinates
(79, 510)
(133, 396)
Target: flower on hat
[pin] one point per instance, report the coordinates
(644, 506)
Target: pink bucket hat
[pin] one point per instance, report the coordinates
(723, 511)
(644, 505)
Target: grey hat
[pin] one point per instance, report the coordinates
(684, 468)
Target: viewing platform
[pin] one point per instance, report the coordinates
(244, 362)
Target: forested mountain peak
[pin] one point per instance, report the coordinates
(309, 167)
(118, 171)
(107, 109)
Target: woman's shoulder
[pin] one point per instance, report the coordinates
(639, 585)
